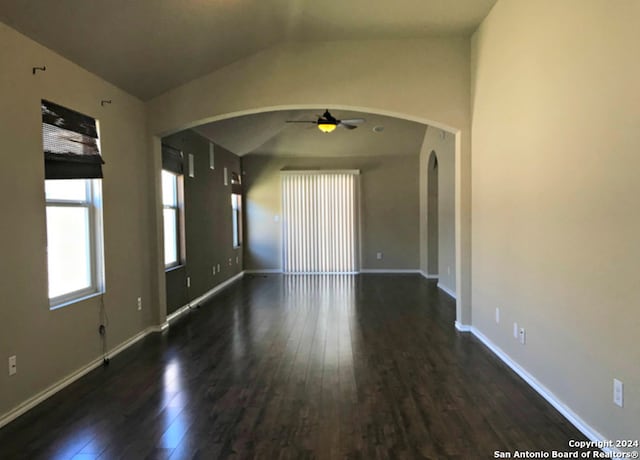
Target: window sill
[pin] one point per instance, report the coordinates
(173, 268)
(66, 303)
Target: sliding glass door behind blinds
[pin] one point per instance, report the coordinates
(320, 221)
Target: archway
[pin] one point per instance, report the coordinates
(432, 215)
(463, 310)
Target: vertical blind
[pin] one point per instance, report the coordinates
(320, 221)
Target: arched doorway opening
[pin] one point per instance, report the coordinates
(432, 215)
(462, 281)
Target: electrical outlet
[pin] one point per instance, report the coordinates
(237, 260)
(218, 268)
(618, 393)
(523, 338)
(515, 331)
(230, 263)
(13, 365)
(139, 303)
(188, 281)
(497, 315)
(448, 271)
(213, 270)
(379, 256)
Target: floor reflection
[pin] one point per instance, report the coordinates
(174, 416)
(296, 366)
(75, 443)
(328, 301)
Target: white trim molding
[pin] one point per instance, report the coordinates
(69, 379)
(391, 271)
(447, 290)
(306, 172)
(176, 314)
(319, 273)
(160, 327)
(432, 276)
(198, 300)
(462, 327)
(543, 391)
(264, 271)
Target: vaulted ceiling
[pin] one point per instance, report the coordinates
(147, 47)
(269, 133)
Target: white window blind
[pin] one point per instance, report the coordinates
(320, 225)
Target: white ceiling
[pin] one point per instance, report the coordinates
(268, 133)
(147, 47)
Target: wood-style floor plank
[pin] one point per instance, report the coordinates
(298, 367)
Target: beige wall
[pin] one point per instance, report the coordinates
(388, 204)
(554, 105)
(425, 80)
(556, 111)
(443, 144)
(49, 345)
(412, 83)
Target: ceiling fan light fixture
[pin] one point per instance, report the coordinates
(326, 126)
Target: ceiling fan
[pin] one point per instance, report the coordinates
(327, 122)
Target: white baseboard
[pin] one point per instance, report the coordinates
(319, 273)
(543, 391)
(177, 314)
(69, 379)
(198, 300)
(429, 276)
(263, 271)
(390, 271)
(462, 327)
(160, 327)
(447, 290)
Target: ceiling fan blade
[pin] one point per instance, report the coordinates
(353, 121)
(301, 121)
(346, 126)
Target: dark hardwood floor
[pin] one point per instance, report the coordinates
(298, 367)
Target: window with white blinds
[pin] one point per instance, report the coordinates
(320, 221)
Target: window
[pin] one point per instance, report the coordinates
(171, 218)
(74, 248)
(172, 209)
(73, 169)
(236, 208)
(236, 216)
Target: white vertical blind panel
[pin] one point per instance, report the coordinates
(319, 225)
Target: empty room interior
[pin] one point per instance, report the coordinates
(296, 229)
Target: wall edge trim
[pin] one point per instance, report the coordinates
(263, 271)
(447, 290)
(198, 300)
(462, 327)
(45, 394)
(543, 391)
(390, 270)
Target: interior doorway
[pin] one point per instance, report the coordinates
(432, 215)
